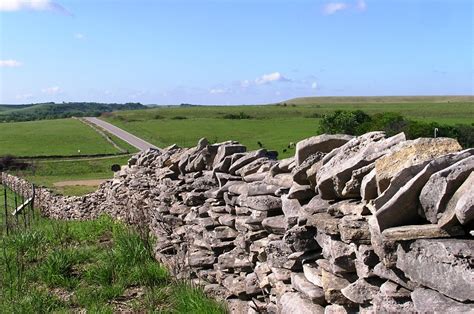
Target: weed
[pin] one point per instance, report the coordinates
(100, 266)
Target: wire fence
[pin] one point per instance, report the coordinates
(16, 211)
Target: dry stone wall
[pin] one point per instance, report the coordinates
(350, 224)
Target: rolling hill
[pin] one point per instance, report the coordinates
(10, 113)
(377, 99)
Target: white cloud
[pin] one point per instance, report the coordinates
(334, 7)
(33, 5)
(10, 63)
(79, 36)
(271, 77)
(216, 91)
(51, 90)
(314, 85)
(23, 96)
(361, 5)
(245, 83)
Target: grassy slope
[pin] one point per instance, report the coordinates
(51, 137)
(47, 172)
(378, 99)
(272, 133)
(58, 110)
(274, 125)
(13, 107)
(95, 266)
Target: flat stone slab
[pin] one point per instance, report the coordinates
(260, 202)
(226, 150)
(322, 143)
(245, 160)
(441, 186)
(368, 186)
(360, 291)
(316, 205)
(312, 273)
(357, 153)
(427, 300)
(311, 291)
(402, 208)
(444, 265)
(299, 173)
(411, 153)
(413, 232)
(276, 224)
(295, 302)
(460, 208)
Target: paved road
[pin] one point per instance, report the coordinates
(124, 135)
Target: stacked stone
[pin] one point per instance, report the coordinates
(349, 224)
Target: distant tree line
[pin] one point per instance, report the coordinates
(358, 122)
(53, 110)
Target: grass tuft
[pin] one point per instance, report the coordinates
(98, 266)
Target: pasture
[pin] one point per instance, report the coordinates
(62, 137)
(276, 126)
(50, 172)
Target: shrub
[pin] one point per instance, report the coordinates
(178, 118)
(315, 115)
(347, 122)
(9, 162)
(240, 116)
(358, 122)
(465, 134)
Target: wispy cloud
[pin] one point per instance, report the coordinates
(271, 77)
(361, 5)
(331, 8)
(216, 91)
(334, 7)
(314, 85)
(24, 96)
(10, 63)
(79, 36)
(32, 5)
(245, 83)
(53, 90)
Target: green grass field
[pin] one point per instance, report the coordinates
(275, 126)
(48, 172)
(63, 137)
(98, 266)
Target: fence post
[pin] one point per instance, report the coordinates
(22, 197)
(32, 203)
(16, 206)
(6, 208)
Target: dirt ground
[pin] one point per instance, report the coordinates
(79, 182)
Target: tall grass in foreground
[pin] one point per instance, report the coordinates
(98, 266)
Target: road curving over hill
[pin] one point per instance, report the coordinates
(123, 135)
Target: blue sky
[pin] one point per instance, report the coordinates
(231, 51)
